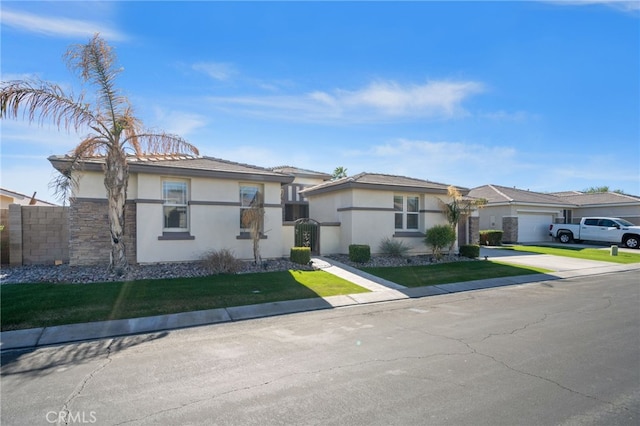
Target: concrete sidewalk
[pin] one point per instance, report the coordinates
(380, 291)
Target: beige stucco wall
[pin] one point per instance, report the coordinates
(366, 216)
(212, 225)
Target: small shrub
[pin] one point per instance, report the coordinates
(359, 253)
(395, 248)
(438, 237)
(301, 255)
(491, 237)
(221, 262)
(471, 251)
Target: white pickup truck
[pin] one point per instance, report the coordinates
(605, 229)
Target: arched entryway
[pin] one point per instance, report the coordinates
(307, 234)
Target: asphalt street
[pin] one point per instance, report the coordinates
(561, 352)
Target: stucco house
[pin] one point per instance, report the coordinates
(369, 207)
(12, 197)
(612, 204)
(525, 216)
(180, 207)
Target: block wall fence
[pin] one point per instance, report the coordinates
(37, 235)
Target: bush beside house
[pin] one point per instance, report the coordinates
(491, 237)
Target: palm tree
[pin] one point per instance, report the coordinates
(115, 130)
(339, 173)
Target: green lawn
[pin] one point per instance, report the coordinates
(40, 305)
(442, 273)
(602, 255)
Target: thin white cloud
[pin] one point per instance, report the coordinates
(59, 26)
(380, 100)
(21, 132)
(471, 165)
(217, 70)
(632, 7)
(389, 97)
(178, 122)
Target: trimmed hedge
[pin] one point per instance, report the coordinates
(471, 251)
(491, 237)
(359, 253)
(301, 255)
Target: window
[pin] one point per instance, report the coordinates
(568, 216)
(248, 195)
(175, 206)
(407, 208)
(294, 212)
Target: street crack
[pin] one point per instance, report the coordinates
(64, 419)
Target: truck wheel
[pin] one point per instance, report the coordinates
(631, 241)
(565, 237)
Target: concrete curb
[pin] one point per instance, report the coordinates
(36, 337)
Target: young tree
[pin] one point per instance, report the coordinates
(253, 218)
(458, 208)
(115, 130)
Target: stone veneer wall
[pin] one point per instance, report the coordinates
(38, 235)
(89, 238)
(509, 229)
(4, 236)
(474, 230)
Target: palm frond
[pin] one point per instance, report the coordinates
(43, 102)
(66, 181)
(163, 143)
(92, 145)
(96, 63)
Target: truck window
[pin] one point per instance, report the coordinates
(607, 223)
(591, 222)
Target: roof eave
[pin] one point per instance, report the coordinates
(62, 163)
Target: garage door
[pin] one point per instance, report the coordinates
(533, 227)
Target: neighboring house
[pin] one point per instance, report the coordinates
(369, 207)
(11, 197)
(178, 208)
(294, 204)
(608, 204)
(524, 216)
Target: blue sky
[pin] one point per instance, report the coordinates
(538, 95)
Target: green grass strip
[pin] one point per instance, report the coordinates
(602, 255)
(443, 273)
(44, 305)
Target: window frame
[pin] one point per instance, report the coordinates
(169, 202)
(407, 211)
(246, 206)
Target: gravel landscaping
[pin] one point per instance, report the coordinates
(94, 274)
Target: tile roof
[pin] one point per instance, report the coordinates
(496, 194)
(184, 165)
(598, 198)
(381, 181)
(290, 170)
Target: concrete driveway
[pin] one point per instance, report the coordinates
(546, 261)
